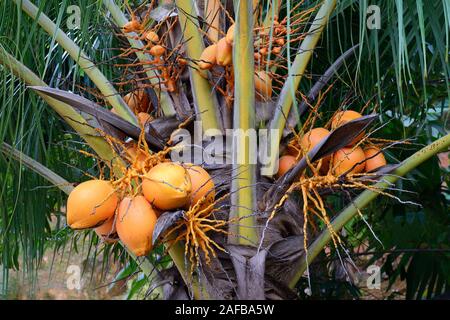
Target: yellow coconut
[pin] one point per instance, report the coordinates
(90, 204)
(135, 223)
(167, 186)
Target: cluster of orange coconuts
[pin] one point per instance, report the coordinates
(221, 54)
(350, 159)
(131, 218)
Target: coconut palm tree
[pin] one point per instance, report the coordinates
(250, 65)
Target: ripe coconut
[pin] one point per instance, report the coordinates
(90, 204)
(138, 100)
(107, 231)
(276, 50)
(284, 164)
(343, 117)
(346, 159)
(131, 26)
(167, 186)
(143, 118)
(263, 85)
(230, 34)
(135, 223)
(152, 37)
(224, 53)
(293, 149)
(374, 159)
(136, 155)
(157, 51)
(201, 183)
(311, 139)
(208, 57)
(280, 41)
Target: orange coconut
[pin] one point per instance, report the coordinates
(374, 159)
(263, 84)
(137, 100)
(284, 164)
(230, 34)
(202, 184)
(343, 117)
(280, 41)
(107, 231)
(348, 158)
(224, 53)
(136, 156)
(143, 118)
(208, 57)
(276, 50)
(157, 51)
(264, 51)
(90, 204)
(167, 186)
(135, 223)
(312, 138)
(131, 26)
(152, 37)
(293, 149)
